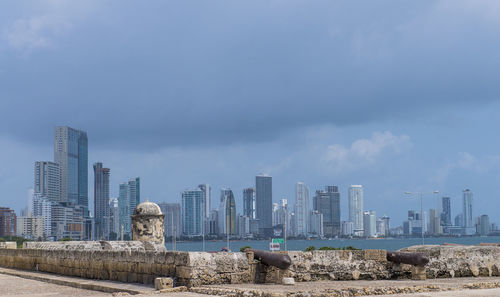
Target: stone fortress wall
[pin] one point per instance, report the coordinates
(137, 262)
(146, 258)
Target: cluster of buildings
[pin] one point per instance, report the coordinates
(261, 218)
(58, 205)
(440, 220)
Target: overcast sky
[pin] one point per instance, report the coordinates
(394, 95)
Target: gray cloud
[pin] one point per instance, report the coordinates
(177, 74)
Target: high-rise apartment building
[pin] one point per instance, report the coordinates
(114, 219)
(227, 213)
(71, 154)
(206, 189)
(468, 221)
(134, 188)
(302, 210)
(264, 204)
(101, 201)
(435, 227)
(192, 212)
(172, 212)
(445, 208)
(8, 222)
(356, 208)
(328, 203)
(48, 180)
(124, 209)
(30, 227)
(316, 224)
(369, 224)
(249, 203)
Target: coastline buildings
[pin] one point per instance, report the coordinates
(369, 224)
(301, 209)
(327, 202)
(48, 180)
(356, 208)
(101, 201)
(192, 213)
(468, 222)
(172, 212)
(8, 221)
(249, 203)
(129, 197)
(71, 154)
(227, 213)
(264, 204)
(445, 210)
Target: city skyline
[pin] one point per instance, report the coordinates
(395, 97)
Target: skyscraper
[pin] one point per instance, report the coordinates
(356, 208)
(369, 223)
(328, 203)
(172, 213)
(71, 153)
(101, 200)
(192, 212)
(264, 203)
(206, 200)
(468, 221)
(249, 203)
(48, 180)
(434, 223)
(134, 188)
(302, 211)
(227, 213)
(124, 209)
(445, 207)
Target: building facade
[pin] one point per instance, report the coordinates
(302, 209)
(467, 201)
(328, 203)
(249, 203)
(71, 154)
(8, 222)
(101, 201)
(264, 204)
(192, 213)
(48, 180)
(356, 208)
(172, 212)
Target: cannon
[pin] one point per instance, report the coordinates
(415, 259)
(281, 261)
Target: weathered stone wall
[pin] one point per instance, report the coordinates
(137, 262)
(458, 261)
(338, 265)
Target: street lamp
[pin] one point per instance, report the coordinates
(421, 194)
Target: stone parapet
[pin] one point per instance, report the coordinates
(458, 261)
(8, 245)
(131, 262)
(94, 245)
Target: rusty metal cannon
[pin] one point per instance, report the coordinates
(281, 261)
(415, 259)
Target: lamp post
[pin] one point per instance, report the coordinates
(421, 194)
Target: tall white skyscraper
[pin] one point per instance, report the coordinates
(302, 209)
(468, 221)
(356, 208)
(369, 223)
(206, 199)
(48, 180)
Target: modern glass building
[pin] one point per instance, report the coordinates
(134, 188)
(48, 180)
(445, 208)
(249, 203)
(468, 221)
(124, 209)
(101, 201)
(71, 153)
(227, 213)
(356, 208)
(301, 209)
(328, 203)
(192, 213)
(264, 204)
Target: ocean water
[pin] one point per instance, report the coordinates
(386, 243)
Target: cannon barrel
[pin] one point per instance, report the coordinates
(282, 261)
(416, 259)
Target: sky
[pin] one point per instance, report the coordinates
(393, 95)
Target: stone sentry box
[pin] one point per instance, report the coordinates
(148, 223)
